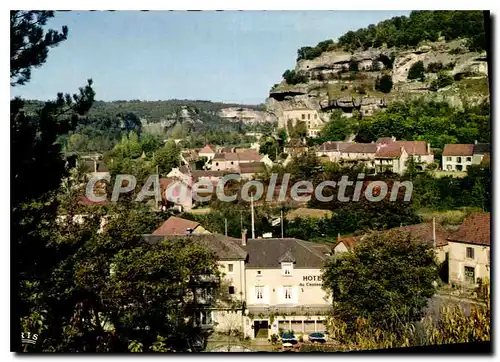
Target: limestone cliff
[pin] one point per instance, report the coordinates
(246, 115)
(332, 84)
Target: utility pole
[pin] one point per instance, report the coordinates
(281, 219)
(160, 187)
(253, 218)
(241, 221)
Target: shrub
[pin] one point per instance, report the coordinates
(360, 89)
(292, 77)
(449, 66)
(275, 338)
(384, 84)
(417, 71)
(443, 80)
(455, 51)
(434, 67)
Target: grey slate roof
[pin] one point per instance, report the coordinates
(266, 253)
(224, 247)
(481, 148)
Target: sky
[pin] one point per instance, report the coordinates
(229, 56)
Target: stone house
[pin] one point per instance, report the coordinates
(469, 251)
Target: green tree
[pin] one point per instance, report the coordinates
(337, 129)
(269, 146)
(385, 84)
(443, 80)
(353, 65)
(417, 71)
(167, 158)
(34, 136)
(387, 280)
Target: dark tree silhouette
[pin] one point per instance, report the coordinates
(29, 44)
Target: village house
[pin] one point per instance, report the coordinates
(469, 251)
(231, 160)
(250, 170)
(294, 146)
(275, 284)
(283, 283)
(208, 151)
(387, 154)
(178, 226)
(427, 233)
(209, 313)
(457, 157)
(310, 117)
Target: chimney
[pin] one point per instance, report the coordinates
(244, 237)
(428, 148)
(475, 142)
(434, 232)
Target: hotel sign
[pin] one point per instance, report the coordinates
(311, 281)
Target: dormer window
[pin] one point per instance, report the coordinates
(287, 268)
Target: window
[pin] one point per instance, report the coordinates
(206, 317)
(259, 273)
(288, 292)
(231, 290)
(315, 116)
(459, 159)
(259, 291)
(303, 116)
(470, 253)
(470, 275)
(230, 268)
(232, 163)
(448, 158)
(308, 116)
(217, 164)
(287, 268)
(469, 159)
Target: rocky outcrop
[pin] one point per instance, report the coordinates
(246, 115)
(331, 85)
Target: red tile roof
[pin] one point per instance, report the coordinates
(207, 149)
(252, 167)
(423, 232)
(458, 150)
(474, 230)
(349, 241)
(418, 148)
(359, 148)
(391, 150)
(175, 226)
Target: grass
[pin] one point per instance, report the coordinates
(479, 86)
(459, 174)
(200, 211)
(448, 217)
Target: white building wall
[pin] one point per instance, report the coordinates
(450, 163)
(458, 261)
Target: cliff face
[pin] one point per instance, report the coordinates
(331, 83)
(246, 115)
